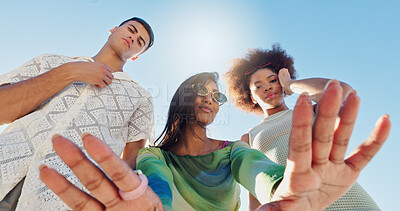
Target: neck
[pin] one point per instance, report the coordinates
(270, 111)
(107, 56)
(194, 141)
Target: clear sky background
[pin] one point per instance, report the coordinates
(354, 41)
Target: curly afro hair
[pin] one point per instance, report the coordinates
(238, 82)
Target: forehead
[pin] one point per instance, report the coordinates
(211, 85)
(141, 30)
(261, 74)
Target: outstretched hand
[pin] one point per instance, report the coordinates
(317, 174)
(105, 191)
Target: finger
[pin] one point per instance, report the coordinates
(118, 171)
(109, 74)
(89, 175)
(107, 81)
(299, 156)
(101, 84)
(72, 196)
(324, 125)
(361, 156)
(343, 132)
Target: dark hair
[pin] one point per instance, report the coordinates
(238, 82)
(181, 110)
(146, 26)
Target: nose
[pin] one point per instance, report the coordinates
(132, 38)
(207, 99)
(267, 88)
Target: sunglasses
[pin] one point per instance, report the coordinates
(202, 90)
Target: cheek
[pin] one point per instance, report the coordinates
(257, 94)
(278, 87)
(216, 110)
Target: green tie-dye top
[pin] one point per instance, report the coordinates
(210, 181)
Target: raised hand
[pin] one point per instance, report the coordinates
(284, 79)
(317, 173)
(105, 191)
(96, 73)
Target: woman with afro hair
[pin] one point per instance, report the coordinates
(258, 83)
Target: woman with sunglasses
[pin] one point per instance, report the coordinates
(190, 171)
(258, 84)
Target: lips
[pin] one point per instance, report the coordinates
(271, 95)
(127, 42)
(205, 109)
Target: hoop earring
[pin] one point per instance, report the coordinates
(134, 58)
(112, 30)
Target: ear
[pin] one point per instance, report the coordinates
(112, 30)
(134, 58)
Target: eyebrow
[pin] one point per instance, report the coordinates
(267, 78)
(141, 38)
(134, 27)
(144, 42)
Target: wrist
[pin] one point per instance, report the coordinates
(288, 87)
(69, 72)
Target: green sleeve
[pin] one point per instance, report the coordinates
(152, 163)
(254, 171)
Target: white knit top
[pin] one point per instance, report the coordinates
(117, 114)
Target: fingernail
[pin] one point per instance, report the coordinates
(348, 93)
(387, 116)
(84, 134)
(43, 166)
(55, 137)
(331, 81)
(305, 94)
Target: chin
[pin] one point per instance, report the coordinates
(204, 120)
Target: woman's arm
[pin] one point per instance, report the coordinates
(254, 171)
(151, 162)
(313, 86)
(105, 190)
(316, 173)
(245, 138)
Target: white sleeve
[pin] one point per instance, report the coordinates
(30, 69)
(141, 123)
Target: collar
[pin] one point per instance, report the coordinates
(117, 75)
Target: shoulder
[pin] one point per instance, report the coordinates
(150, 153)
(52, 56)
(141, 91)
(245, 138)
(52, 60)
(239, 144)
(150, 150)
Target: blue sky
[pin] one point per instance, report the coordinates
(354, 41)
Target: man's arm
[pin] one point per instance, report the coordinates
(21, 98)
(131, 151)
(313, 86)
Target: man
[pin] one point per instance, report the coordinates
(71, 95)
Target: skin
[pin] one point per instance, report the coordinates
(125, 42)
(205, 109)
(316, 175)
(19, 99)
(269, 90)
